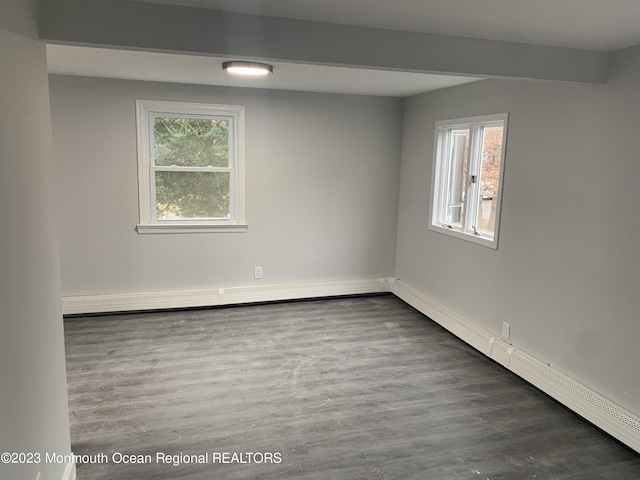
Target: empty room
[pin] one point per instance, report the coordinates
(319, 240)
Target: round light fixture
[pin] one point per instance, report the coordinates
(247, 68)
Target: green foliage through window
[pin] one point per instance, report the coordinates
(191, 142)
(192, 195)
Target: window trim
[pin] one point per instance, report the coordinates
(437, 172)
(148, 223)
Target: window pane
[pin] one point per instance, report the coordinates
(189, 195)
(490, 178)
(193, 142)
(458, 165)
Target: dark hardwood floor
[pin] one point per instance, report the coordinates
(349, 388)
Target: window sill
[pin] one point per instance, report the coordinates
(484, 241)
(192, 228)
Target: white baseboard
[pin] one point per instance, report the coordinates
(69, 472)
(605, 414)
(121, 302)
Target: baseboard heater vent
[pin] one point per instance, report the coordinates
(602, 412)
(599, 410)
(122, 302)
(125, 302)
(501, 352)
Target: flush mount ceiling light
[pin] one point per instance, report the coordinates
(247, 68)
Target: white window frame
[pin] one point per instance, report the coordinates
(145, 111)
(439, 178)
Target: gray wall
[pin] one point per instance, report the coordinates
(33, 393)
(322, 190)
(567, 269)
(20, 16)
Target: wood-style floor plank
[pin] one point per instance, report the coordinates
(349, 388)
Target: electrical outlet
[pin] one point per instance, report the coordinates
(506, 330)
(257, 272)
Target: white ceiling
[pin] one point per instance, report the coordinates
(602, 25)
(202, 70)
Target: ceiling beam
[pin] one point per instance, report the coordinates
(145, 26)
(624, 66)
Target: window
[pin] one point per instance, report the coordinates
(190, 167)
(467, 178)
